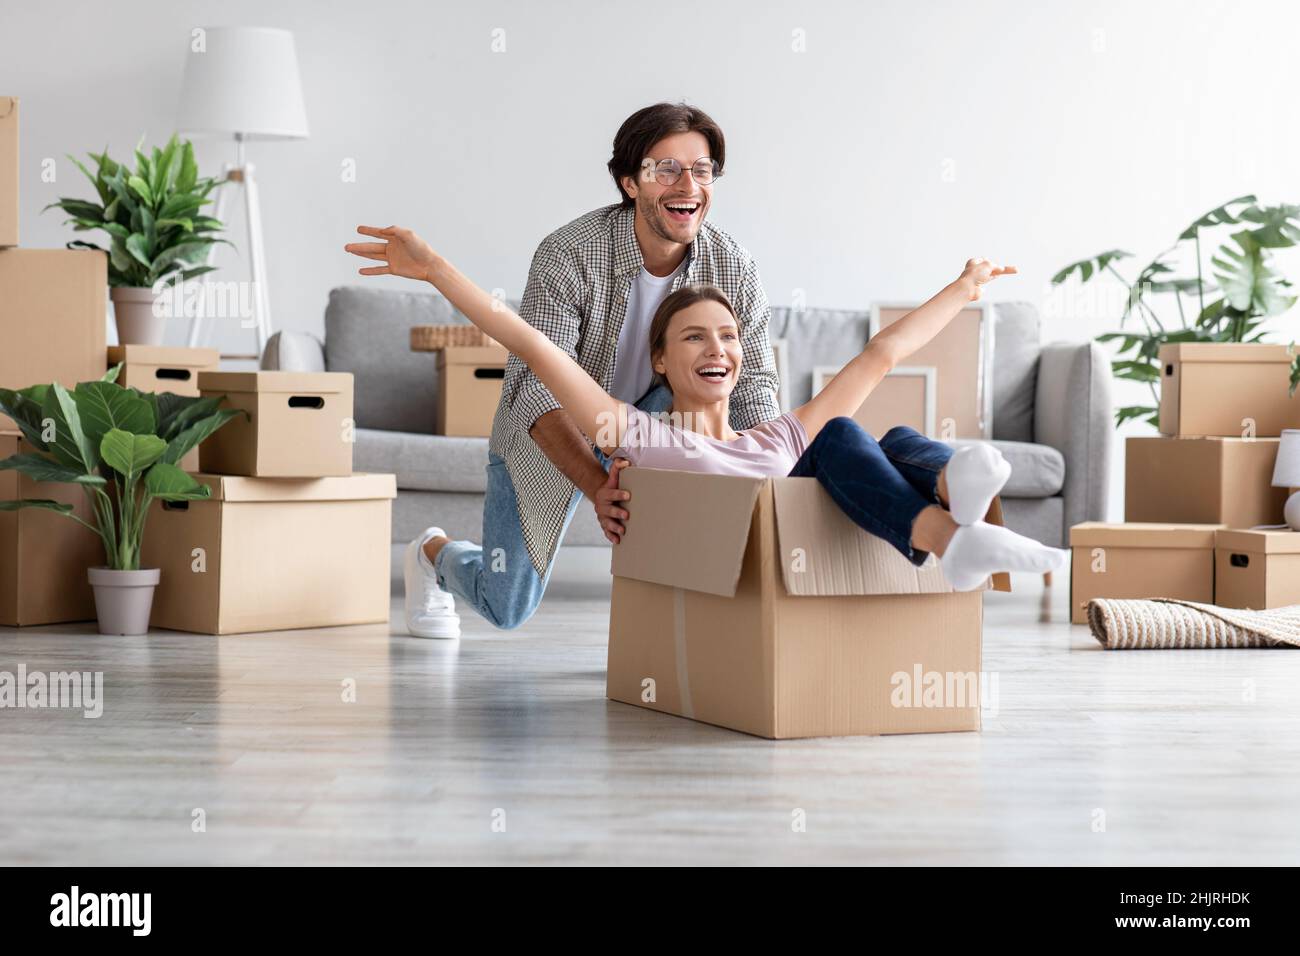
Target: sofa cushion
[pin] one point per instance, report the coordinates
(1037, 471)
(368, 333)
(423, 462)
(816, 337)
(1015, 370)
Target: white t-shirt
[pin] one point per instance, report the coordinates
(632, 371)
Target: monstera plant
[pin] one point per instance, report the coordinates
(121, 446)
(1242, 291)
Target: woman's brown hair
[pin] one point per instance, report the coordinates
(647, 126)
(683, 298)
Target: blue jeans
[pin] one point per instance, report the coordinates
(881, 485)
(497, 578)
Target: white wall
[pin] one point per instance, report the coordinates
(908, 137)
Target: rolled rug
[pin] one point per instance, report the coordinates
(1166, 623)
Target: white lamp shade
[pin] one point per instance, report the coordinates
(1286, 470)
(244, 81)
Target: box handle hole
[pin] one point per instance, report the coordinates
(306, 401)
(176, 506)
(176, 374)
(1169, 370)
(1239, 560)
(489, 373)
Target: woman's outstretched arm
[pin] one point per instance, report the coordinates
(845, 393)
(602, 418)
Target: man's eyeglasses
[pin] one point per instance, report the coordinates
(666, 172)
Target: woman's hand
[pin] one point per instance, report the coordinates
(980, 272)
(403, 254)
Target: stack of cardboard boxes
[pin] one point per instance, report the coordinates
(1194, 494)
(52, 311)
(290, 537)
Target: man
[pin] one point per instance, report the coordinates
(593, 287)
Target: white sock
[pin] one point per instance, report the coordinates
(976, 473)
(981, 549)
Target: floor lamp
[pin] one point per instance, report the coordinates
(243, 83)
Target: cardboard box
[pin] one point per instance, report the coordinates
(44, 555)
(52, 317)
(1257, 569)
(1140, 561)
(300, 424)
(469, 389)
(755, 604)
(1225, 481)
(265, 554)
(8, 170)
(1226, 388)
(156, 368)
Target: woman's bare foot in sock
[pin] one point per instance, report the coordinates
(978, 550)
(971, 480)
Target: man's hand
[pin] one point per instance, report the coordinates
(403, 254)
(980, 272)
(606, 503)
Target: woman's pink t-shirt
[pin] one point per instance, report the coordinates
(769, 450)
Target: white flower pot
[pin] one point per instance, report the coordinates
(133, 308)
(123, 599)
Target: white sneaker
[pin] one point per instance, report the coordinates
(430, 611)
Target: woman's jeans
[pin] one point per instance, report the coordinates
(881, 485)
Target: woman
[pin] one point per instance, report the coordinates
(919, 495)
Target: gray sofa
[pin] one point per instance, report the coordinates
(1051, 412)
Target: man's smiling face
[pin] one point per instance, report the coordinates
(673, 213)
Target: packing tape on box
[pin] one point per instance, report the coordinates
(679, 643)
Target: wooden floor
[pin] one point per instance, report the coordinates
(1193, 757)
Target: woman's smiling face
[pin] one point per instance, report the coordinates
(701, 353)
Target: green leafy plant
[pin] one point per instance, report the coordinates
(151, 215)
(121, 445)
(1250, 290)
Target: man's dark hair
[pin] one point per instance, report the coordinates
(647, 126)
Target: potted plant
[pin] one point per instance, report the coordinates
(155, 230)
(121, 446)
(1250, 291)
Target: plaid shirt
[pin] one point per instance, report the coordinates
(577, 294)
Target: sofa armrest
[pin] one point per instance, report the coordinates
(293, 352)
(1073, 412)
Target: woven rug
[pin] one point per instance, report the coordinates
(1162, 622)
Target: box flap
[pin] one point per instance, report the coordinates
(341, 488)
(1279, 541)
(1224, 352)
(1142, 534)
(685, 530)
(165, 355)
(824, 553)
(309, 383)
(473, 355)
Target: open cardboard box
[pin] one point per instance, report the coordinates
(756, 604)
